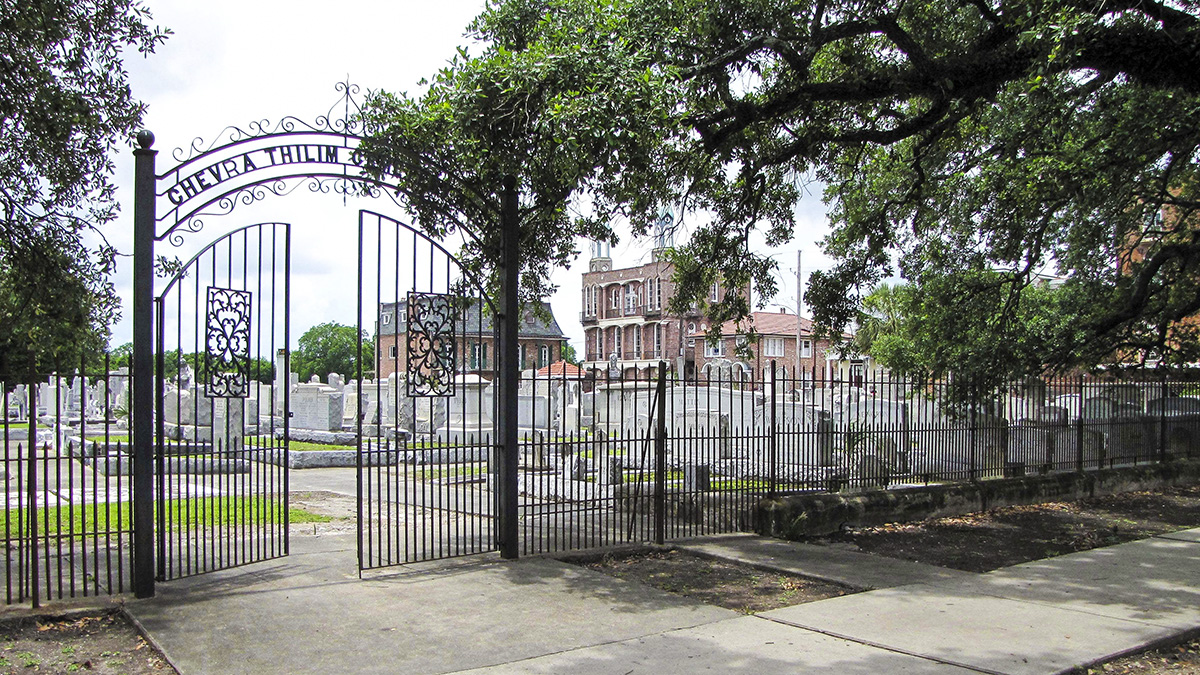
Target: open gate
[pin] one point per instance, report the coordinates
(221, 422)
(427, 419)
(428, 464)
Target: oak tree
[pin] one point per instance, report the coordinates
(65, 108)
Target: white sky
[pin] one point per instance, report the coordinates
(230, 63)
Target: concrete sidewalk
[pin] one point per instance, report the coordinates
(310, 613)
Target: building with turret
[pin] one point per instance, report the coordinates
(627, 328)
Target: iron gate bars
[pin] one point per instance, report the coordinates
(424, 405)
(67, 530)
(222, 405)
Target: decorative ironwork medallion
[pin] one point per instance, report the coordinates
(227, 343)
(431, 348)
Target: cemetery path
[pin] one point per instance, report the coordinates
(311, 614)
(304, 614)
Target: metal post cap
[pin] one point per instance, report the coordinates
(145, 138)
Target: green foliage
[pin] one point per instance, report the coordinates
(51, 313)
(332, 348)
(883, 327)
(569, 355)
(121, 356)
(967, 147)
(918, 333)
(565, 100)
(66, 108)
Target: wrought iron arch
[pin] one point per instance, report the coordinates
(247, 165)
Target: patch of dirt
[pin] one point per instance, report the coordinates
(103, 644)
(1175, 660)
(981, 542)
(715, 582)
(343, 509)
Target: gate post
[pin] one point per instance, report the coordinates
(772, 440)
(142, 414)
(660, 457)
(509, 369)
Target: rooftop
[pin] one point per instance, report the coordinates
(765, 323)
(561, 368)
(475, 322)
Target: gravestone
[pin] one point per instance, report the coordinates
(697, 478)
(334, 380)
(1072, 403)
(826, 438)
(18, 403)
(118, 388)
(1127, 393)
(991, 440)
(1177, 421)
(1031, 445)
(1174, 405)
(869, 470)
(574, 468)
(1099, 408)
(611, 470)
(228, 430)
(1050, 415)
(533, 414)
(316, 406)
(467, 414)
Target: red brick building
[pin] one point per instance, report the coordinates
(625, 319)
(777, 337)
(540, 341)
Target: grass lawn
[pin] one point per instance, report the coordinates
(182, 514)
(305, 446)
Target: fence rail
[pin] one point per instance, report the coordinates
(654, 457)
(67, 521)
(645, 458)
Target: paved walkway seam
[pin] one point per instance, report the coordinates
(886, 648)
(605, 643)
(1178, 536)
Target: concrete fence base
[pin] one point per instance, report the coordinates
(814, 515)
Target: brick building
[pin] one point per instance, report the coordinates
(625, 319)
(540, 341)
(777, 335)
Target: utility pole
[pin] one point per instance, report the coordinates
(799, 310)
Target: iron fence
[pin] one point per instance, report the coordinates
(67, 508)
(650, 456)
(647, 457)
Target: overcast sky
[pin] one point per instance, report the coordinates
(230, 63)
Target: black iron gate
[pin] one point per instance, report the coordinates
(427, 414)
(435, 478)
(221, 408)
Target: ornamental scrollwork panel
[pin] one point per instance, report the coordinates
(432, 353)
(227, 343)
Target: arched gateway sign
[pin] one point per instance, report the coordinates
(222, 308)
